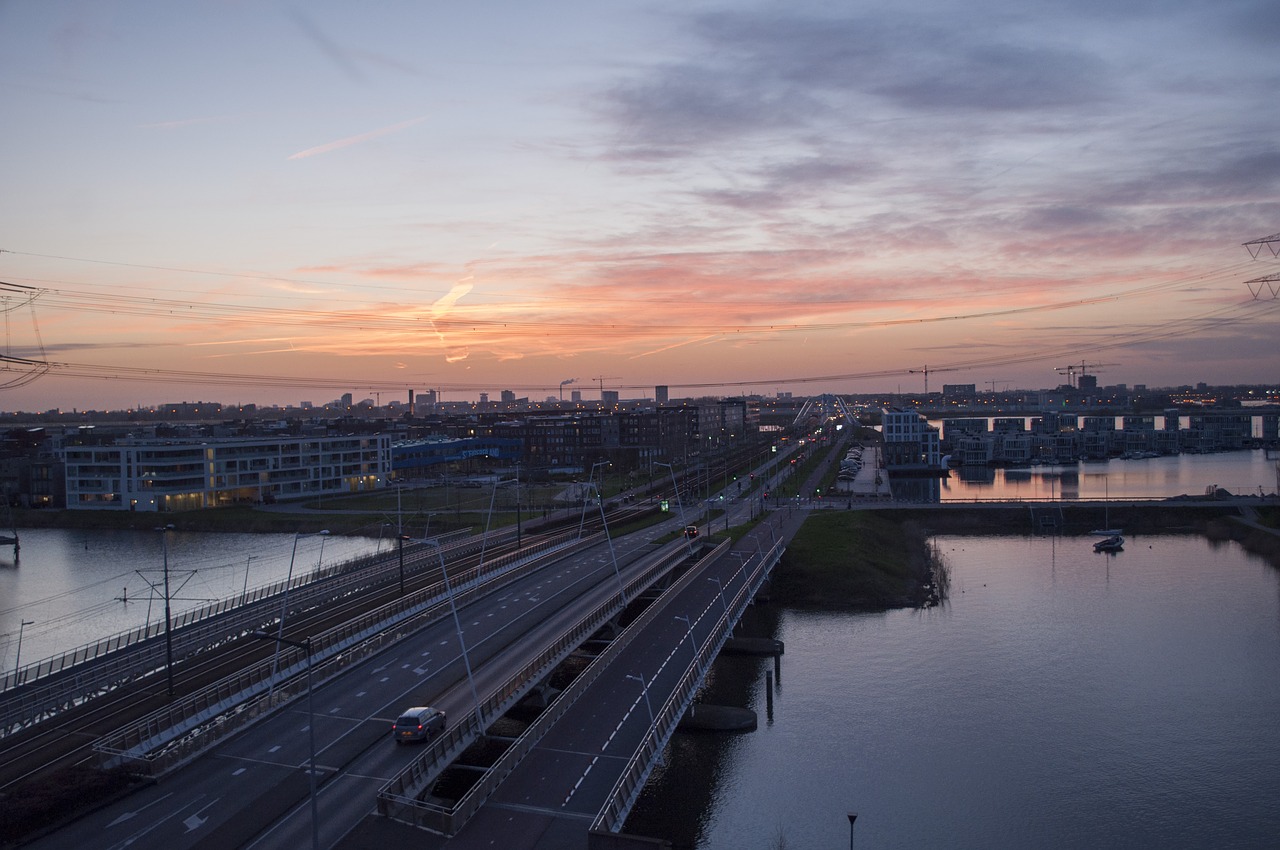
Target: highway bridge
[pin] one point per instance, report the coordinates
(231, 757)
(639, 618)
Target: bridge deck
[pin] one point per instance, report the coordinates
(557, 790)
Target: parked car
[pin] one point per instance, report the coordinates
(419, 723)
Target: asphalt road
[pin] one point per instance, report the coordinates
(252, 790)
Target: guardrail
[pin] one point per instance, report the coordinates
(36, 670)
(168, 738)
(398, 799)
(622, 797)
(97, 674)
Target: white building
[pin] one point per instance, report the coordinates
(909, 440)
(189, 474)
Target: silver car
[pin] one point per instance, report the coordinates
(417, 724)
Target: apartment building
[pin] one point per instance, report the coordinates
(189, 474)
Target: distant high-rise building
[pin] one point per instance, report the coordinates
(609, 397)
(660, 394)
(508, 397)
(346, 401)
(1087, 382)
(575, 396)
(484, 398)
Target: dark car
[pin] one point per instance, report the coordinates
(417, 724)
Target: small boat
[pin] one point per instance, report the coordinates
(1111, 544)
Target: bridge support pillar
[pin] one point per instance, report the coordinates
(542, 695)
(604, 840)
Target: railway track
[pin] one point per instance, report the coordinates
(65, 741)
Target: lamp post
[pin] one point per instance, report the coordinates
(457, 624)
(604, 521)
(284, 603)
(168, 620)
(720, 585)
(244, 593)
(304, 644)
(679, 504)
(853, 816)
(518, 540)
(402, 538)
(645, 686)
(590, 483)
(689, 627)
(17, 658)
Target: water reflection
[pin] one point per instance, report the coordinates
(1241, 473)
(1056, 682)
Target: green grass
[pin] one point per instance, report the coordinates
(855, 559)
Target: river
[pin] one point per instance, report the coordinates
(76, 586)
(1060, 699)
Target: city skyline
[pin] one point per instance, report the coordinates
(245, 204)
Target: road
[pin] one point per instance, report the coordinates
(252, 790)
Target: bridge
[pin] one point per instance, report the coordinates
(640, 618)
(232, 759)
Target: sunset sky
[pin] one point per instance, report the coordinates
(270, 202)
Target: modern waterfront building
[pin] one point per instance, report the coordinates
(910, 442)
(189, 474)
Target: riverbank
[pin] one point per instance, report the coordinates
(858, 560)
(877, 560)
(238, 519)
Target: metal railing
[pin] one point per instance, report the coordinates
(177, 733)
(622, 797)
(91, 674)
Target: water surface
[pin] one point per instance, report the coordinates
(1061, 699)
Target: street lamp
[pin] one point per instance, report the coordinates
(853, 816)
(689, 627)
(645, 686)
(305, 644)
(679, 504)
(402, 538)
(652, 722)
(284, 602)
(457, 624)
(720, 585)
(168, 620)
(18, 655)
(244, 593)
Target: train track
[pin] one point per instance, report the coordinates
(66, 740)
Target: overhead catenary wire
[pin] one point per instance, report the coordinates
(470, 320)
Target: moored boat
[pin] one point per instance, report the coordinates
(1115, 543)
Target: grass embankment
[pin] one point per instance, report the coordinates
(436, 510)
(856, 559)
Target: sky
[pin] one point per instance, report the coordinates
(262, 202)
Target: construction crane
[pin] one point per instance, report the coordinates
(1080, 369)
(925, 370)
(602, 379)
(995, 381)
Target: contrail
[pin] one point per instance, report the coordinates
(354, 140)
